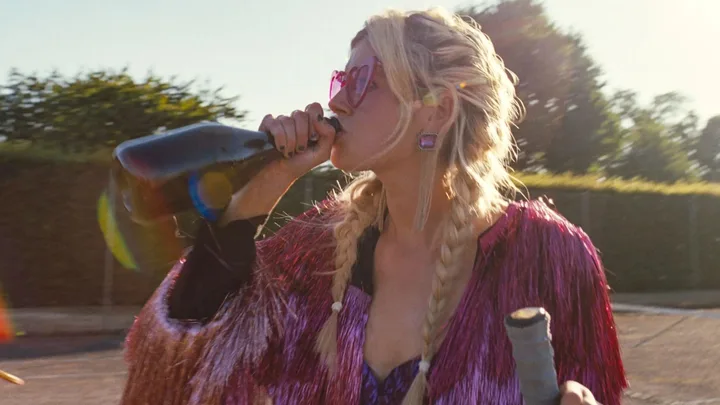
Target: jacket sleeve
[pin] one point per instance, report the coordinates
(199, 339)
(218, 266)
(575, 292)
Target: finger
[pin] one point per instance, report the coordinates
(314, 112)
(302, 128)
(264, 123)
(288, 125)
(574, 393)
(572, 398)
(322, 127)
(589, 398)
(271, 125)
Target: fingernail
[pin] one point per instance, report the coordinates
(281, 148)
(320, 117)
(301, 148)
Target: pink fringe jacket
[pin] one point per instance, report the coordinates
(259, 347)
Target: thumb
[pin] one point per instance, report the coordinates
(326, 133)
(323, 127)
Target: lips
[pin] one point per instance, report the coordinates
(335, 122)
(340, 129)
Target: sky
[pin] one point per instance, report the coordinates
(277, 55)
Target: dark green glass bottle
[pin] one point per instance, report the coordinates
(197, 167)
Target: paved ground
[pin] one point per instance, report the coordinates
(670, 359)
(63, 371)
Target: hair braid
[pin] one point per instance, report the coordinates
(361, 201)
(457, 235)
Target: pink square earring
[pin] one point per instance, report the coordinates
(428, 145)
(427, 140)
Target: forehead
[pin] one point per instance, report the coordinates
(362, 53)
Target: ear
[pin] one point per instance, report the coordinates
(438, 110)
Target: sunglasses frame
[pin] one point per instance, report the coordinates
(347, 78)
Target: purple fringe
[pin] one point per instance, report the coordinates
(261, 345)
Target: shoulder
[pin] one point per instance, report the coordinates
(572, 286)
(319, 218)
(311, 232)
(538, 224)
(541, 216)
(557, 257)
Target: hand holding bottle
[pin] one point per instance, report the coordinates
(293, 136)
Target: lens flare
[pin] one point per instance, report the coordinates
(113, 237)
(210, 193)
(143, 247)
(6, 327)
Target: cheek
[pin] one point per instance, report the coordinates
(371, 127)
(354, 151)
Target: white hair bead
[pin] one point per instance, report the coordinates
(336, 306)
(424, 366)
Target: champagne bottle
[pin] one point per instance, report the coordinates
(196, 167)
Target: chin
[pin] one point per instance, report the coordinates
(339, 160)
(344, 159)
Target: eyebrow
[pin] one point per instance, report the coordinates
(348, 67)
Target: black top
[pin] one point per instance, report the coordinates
(220, 264)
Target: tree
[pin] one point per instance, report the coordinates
(707, 149)
(103, 108)
(589, 132)
(568, 125)
(657, 140)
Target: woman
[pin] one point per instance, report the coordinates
(333, 309)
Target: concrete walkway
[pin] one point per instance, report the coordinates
(62, 321)
(94, 320)
(697, 299)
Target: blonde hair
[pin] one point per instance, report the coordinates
(425, 53)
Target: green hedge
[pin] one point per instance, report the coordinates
(51, 249)
(643, 231)
(53, 253)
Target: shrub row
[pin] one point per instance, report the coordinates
(52, 252)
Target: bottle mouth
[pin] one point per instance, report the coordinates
(335, 122)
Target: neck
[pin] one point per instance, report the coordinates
(402, 191)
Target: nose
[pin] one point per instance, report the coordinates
(339, 104)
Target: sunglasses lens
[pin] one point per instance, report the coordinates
(336, 83)
(357, 84)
